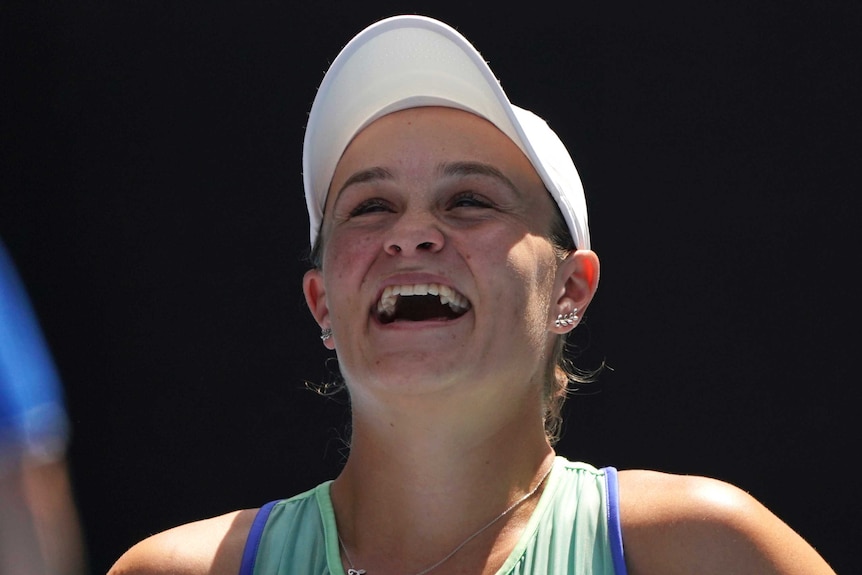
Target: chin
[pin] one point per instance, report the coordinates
(408, 374)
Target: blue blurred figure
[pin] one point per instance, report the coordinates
(39, 528)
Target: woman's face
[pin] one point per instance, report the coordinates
(440, 204)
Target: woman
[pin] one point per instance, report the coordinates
(451, 246)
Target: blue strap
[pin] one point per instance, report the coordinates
(615, 532)
(249, 553)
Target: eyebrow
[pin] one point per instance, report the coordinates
(363, 176)
(451, 169)
(476, 169)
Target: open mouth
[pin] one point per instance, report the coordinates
(420, 302)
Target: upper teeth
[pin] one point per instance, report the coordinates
(447, 295)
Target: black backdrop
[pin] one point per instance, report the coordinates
(151, 197)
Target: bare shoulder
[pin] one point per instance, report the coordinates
(675, 524)
(209, 547)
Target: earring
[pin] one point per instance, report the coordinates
(567, 319)
(325, 333)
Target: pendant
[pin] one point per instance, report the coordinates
(356, 572)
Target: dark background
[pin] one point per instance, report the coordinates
(151, 197)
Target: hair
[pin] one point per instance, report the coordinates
(562, 376)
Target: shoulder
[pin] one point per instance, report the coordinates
(687, 524)
(209, 547)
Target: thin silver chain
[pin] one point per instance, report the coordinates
(354, 570)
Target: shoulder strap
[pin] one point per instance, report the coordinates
(249, 553)
(615, 532)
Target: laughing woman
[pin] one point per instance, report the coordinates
(452, 258)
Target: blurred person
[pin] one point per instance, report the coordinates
(40, 532)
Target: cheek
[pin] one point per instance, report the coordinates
(535, 269)
(346, 261)
(344, 253)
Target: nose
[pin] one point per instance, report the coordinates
(414, 233)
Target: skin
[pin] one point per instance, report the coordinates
(40, 531)
(447, 415)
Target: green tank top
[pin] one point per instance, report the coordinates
(574, 530)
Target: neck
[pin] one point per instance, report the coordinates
(454, 474)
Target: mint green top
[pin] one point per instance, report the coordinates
(574, 530)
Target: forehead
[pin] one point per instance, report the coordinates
(418, 140)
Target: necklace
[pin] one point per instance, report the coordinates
(354, 571)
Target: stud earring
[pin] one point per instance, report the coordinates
(325, 333)
(565, 320)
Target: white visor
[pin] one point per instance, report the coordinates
(411, 61)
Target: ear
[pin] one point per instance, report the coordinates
(576, 284)
(315, 298)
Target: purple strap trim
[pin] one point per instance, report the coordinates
(249, 554)
(615, 532)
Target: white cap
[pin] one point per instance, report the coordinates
(411, 61)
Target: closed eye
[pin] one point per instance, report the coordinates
(469, 200)
(370, 206)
